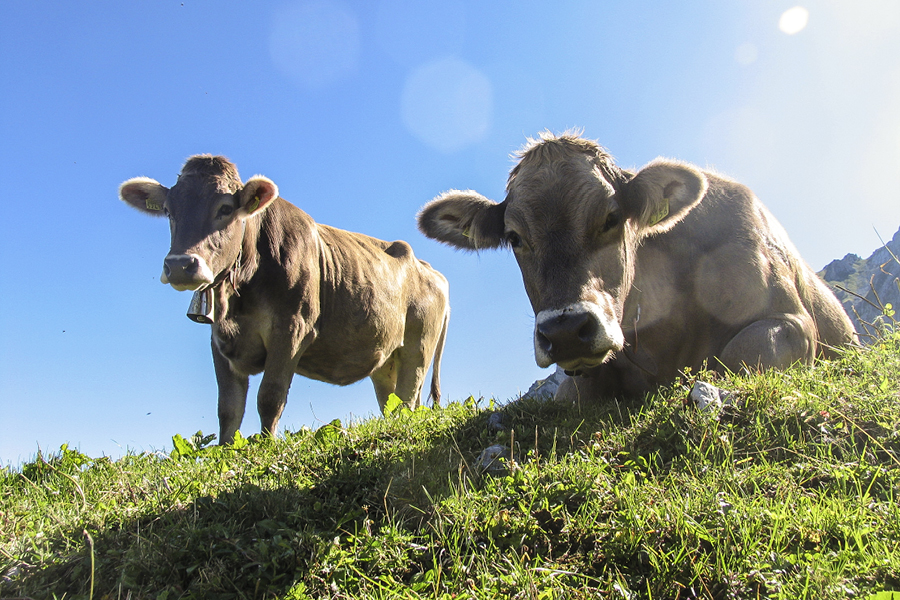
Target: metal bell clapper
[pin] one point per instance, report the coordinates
(201, 309)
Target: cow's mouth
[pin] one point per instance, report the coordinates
(190, 287)
(583, 365)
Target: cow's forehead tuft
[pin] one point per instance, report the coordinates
(218, 168)
(555, 149)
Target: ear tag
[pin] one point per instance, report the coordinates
(251, 208)
(467, 234)
(661, 213)
(151, 205)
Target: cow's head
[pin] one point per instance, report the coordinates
(574, 221)
(206, 208)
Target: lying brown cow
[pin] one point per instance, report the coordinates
(634, 276)
(292, 296)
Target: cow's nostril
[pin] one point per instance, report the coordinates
(588, 331)
(167, 270)
(544, 342)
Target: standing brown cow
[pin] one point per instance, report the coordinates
(292, 296)
(634, 276)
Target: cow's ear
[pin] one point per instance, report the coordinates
(145, 194)
(257, 194)
(661, 194)
(464, 219)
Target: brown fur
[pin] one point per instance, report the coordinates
(293, 296)
(634, 276)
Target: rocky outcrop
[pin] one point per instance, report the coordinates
(545, 388)
(867, 286)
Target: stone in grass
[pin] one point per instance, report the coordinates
(497, 422)
(494, 460)
(708, 397)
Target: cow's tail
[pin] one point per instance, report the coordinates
(436, 364)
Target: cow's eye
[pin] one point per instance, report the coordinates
(225, 210)
(513, 239)
(613, 220)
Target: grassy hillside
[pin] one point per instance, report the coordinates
(792, 493)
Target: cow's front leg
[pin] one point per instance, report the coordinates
(774, 343)
(232, 397)
(577, 389)
(273, 392)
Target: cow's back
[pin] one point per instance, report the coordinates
(729, 263)
(369, 290)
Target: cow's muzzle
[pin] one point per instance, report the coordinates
(186, 272)
(578, 337)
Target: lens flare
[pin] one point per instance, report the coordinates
(447, 104)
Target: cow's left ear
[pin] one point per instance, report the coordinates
(661, 194)
(257, 194)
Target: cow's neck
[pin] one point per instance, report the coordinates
(229, 282)
(248, 259)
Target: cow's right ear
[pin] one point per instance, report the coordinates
(145, 194)
(257, 194)
(464, 219)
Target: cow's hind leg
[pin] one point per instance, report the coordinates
(385, 380)
(420, 339)
(403, 374)
(411, 375)
(774, 343)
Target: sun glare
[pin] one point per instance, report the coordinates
(316, 43)
(746, 54)
(793, 20)
(447, 104)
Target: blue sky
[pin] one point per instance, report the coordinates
(361, 111)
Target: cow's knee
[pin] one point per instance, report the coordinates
(567, 391)
(775, 343)
(577, 389)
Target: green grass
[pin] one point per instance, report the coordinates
(792, 494)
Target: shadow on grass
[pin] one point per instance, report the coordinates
(289, 516)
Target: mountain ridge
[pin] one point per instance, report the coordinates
(867, 286)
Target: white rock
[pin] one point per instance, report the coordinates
(709, 397)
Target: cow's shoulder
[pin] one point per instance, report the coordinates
(286, 230)
(729, 213)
